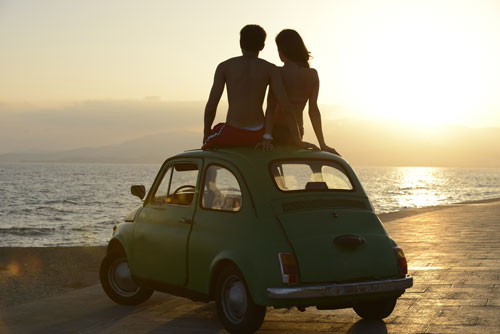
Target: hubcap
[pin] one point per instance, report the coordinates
(234, 299)
(121, 279)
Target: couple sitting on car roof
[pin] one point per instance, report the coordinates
(247, 78)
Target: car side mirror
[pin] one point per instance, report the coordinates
(138, 190)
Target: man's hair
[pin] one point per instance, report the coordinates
(252, 37)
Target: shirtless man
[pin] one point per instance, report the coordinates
(247, 78)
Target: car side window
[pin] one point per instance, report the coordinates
(178, 185)
(221, 190)
(183, 185)
(160, 195)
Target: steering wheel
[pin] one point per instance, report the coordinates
(186, 186)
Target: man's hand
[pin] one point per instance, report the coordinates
(326, 148)
(266, 145)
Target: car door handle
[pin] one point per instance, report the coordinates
(184, 221)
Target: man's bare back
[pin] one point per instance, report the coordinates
(246, 78)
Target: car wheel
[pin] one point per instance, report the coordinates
(375, 310)
(235, 307)
(117, 282)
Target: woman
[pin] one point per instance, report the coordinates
(302, 85)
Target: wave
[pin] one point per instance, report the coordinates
(24, 211)
(27, 231)
(109, 222)
(50, 209)
(414, 188)
(65, 201)
(40, 210)
(82, 229)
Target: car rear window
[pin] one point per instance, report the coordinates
(309, 175)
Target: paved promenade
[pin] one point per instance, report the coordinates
(454, 256)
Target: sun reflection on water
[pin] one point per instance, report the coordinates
(416, 185)
(396, 188)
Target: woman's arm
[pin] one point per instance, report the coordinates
(272, 104)
(315, 116)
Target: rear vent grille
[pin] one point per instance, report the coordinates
(321, 204)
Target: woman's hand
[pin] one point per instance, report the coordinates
(326, 148)
(306, 145)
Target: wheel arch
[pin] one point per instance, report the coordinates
(115, 246)
(248, 268)
(216, 270)
(121, 240)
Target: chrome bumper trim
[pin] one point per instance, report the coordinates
(345, 289)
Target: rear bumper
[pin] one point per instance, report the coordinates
(344, 289)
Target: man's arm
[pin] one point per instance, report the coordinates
(213, 100)
(269, 119)
(279, 92)
(315, 117)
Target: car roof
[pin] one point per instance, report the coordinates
(247, 158)
(243, 155)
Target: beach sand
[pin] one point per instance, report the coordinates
(32, 273)
(28, 274)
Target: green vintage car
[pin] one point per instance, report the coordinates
(251, 229)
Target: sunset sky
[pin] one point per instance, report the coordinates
(429, 62)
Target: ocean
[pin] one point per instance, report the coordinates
(62, 204)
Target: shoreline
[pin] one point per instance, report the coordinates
(390, 216)
(32, 273)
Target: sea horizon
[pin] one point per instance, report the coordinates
(50, 204)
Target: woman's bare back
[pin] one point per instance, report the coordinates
(300, 83)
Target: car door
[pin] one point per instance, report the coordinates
(219, 222)
(163, 226)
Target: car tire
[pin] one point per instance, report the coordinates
(375, 310)
(236, 310)
(117, 282)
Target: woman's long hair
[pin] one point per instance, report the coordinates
(291, 45)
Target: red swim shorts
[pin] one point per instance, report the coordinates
(226, 135)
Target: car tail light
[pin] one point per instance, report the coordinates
(288, 268)
(402, 264)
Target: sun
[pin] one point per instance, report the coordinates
(419, 62)
(420, 74)
(426, 73)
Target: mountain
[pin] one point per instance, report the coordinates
(147, 149)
